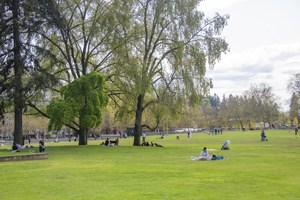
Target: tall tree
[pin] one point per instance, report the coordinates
(248, 113)
(19, 20)
(12, 66)
(82, 40)
(224, 112)
(294, 108)
(294, 88)
(66, 39)
(235, 107)
(167, 45)
(265, 107)
(208, 112)
(18, 72)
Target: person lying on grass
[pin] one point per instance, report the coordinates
(18, 147)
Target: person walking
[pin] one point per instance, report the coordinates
(263, 136)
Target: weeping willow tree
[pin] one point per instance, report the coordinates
(167, 45)
(80, 105)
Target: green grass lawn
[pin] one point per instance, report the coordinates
(252, 170)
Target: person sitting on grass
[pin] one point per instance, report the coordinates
(144, 143)
(263, 136)
(204, 155)
(225, 145)
(107, 142)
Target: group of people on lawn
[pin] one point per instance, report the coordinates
(110, 143)
(17, 147)
(204, 155)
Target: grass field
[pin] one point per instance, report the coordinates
(252, 170)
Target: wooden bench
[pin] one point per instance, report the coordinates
(35, 156)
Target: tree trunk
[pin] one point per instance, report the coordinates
(242, 125)
(18, 70)
(270, 124)
(83, 136)
(138, 122)
(249, 124)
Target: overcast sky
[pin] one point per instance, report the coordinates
(264, 42)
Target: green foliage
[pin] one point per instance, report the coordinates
(166, 47)
(60, 112)
(22, 77)
(258, 104)
(81, 40)
(81, 103)
(263, 102)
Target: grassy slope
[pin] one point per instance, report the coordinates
(252, 170)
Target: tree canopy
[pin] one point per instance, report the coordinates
(151, 52)
(80, 105)
(167, 45)
(20, 70)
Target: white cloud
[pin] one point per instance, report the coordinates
(272, 64)
(264, 42)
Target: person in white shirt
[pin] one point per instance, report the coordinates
(204, 155)
(144, 137)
